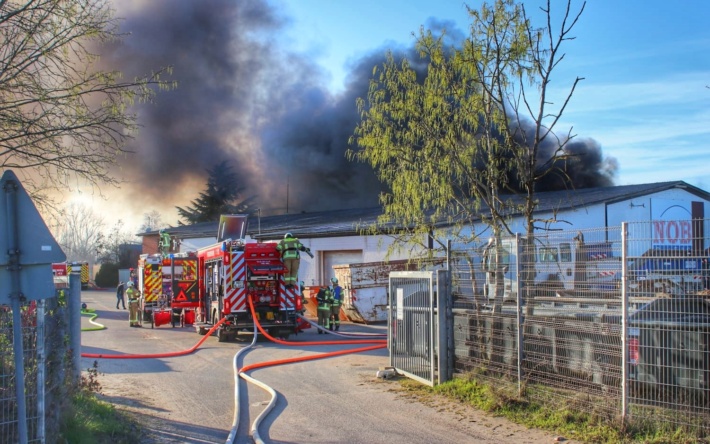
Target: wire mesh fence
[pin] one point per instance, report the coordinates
(9, 430)
(613, 322)
(669, 337)
(44, 356)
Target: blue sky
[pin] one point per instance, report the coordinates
(646, 65)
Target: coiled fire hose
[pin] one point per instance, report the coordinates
(91, 312)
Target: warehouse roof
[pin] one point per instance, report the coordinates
(350, 222)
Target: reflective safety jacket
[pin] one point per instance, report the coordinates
(132, 294)
(289, 248)
(324, 298)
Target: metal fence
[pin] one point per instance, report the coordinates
(45, 356)
(613, 322)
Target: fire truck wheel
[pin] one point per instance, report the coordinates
(221, 335)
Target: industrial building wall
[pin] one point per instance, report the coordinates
(640, 209)
(328, 251)
(609, 214)
(341, 250)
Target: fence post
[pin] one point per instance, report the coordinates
(74, 307)
(41, 367)
(449, 314)
(444, 325)
(519, 313)
(624, 319)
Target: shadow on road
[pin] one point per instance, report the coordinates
(161, 431)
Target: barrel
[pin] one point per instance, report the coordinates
(189, 317)
(161, 317)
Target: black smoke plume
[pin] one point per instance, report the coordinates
(242, 97)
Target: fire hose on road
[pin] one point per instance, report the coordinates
(158, 355)
(381, 343)
(91, 312)
(366, 339)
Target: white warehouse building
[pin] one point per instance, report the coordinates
(335, 237)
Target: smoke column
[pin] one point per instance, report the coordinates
(244, 98)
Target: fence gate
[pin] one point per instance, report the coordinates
(417, 327)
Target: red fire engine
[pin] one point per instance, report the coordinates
(232, 272)
(168, 286)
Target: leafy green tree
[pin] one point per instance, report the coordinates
(62, 119)
(451, 143)
(222, 196)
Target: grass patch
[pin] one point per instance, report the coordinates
(559, 418)
(89, 420)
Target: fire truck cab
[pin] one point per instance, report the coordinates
(232, 273)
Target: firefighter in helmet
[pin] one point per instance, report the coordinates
(325, 299)
(133, 294)
(164, 244)
(289, 249)
(337, 294)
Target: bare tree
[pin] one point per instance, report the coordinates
(62, 120)
(112, 247)
(151, 221)
(80, 233)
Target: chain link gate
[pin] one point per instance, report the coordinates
(419, 324)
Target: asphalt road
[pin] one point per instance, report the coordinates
(184, 397)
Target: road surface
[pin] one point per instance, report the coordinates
(190, 398)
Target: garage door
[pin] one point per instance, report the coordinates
(331, 258)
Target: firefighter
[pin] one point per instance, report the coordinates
(289, 249)
(325, 299)
(164, 243)
(337, 292)
(133, 295)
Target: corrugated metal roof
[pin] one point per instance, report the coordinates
(350, 222)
